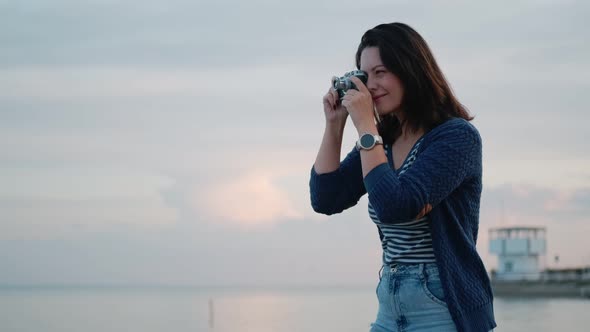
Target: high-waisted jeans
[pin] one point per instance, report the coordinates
(411, 298)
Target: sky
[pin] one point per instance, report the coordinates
(146, 142)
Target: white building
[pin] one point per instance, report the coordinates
(520, 250)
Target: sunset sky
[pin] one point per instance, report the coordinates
(171, 142)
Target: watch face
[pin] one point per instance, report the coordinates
(367, 141)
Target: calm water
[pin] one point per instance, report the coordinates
(286, 310)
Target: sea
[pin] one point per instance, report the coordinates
(225, 309)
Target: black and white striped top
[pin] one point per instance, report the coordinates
(407, 242)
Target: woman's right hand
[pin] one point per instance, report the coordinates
(335, 113)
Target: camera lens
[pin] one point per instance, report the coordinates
(339, 84)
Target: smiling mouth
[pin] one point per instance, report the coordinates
(377, 98)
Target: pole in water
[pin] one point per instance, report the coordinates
(211, 314)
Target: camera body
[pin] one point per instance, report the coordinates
(343, 84)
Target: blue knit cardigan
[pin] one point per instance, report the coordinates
(447, 174)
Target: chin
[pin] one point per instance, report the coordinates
(384, 111)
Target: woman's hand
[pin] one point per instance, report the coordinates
(359, 104)
(425, 210)
(333, 109)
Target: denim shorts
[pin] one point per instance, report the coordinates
(411, 298)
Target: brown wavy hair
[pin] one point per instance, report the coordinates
(428, 98)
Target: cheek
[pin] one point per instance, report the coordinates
(394, 85)
(395, 98)
(387, 105)
(390, 104)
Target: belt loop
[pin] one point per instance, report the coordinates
(422, 270)
(379, 273)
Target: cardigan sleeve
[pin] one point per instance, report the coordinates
(452, 156)
(336, 191)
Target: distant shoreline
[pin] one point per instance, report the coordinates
(187, 287)
(541, 289)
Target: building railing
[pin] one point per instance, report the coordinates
(548, 275)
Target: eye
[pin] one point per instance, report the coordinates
(380, 72)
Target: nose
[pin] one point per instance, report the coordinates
(371, 84)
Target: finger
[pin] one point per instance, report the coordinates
(359, 84)
(334, 95)
(345, 103)
(339, 100)
(350, 96)
(332, 80)
(421, 214)
(351, 92)
(425, 210)
(346, 98)
(328, 97)
(329, 101)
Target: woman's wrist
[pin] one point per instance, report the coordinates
(366, 127)
(335, 128)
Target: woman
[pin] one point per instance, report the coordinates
(419, 159)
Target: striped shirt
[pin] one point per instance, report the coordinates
(407, 242)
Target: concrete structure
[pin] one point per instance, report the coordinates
(578, 274)
(521, 252)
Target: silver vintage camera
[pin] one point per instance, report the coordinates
(343, 84)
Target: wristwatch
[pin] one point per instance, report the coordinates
(368, 141)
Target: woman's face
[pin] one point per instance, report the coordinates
(386, 89)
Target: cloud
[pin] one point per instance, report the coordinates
(45, 203)
(179, 33)
(74, 82)
(559, 174)
(251, 199)
(31, 217)
(526, 202)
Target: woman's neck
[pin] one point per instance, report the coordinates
(406, 131)
(409, 134)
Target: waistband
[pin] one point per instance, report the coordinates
(408, 269)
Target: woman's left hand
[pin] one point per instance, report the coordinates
(425, 210)
(359, 105)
